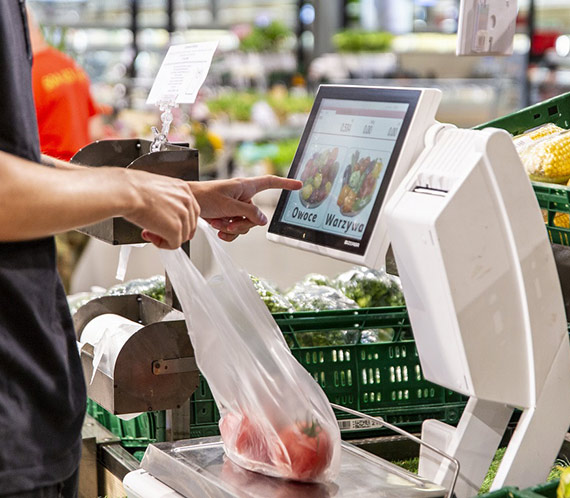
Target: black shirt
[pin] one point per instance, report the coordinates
(42, 392)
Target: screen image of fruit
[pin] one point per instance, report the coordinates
(318, 177)
(358, 183)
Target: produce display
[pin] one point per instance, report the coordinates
(528, 138)
(266, 38)
(370, 288)
(153, 287)
(348, 290)
(561, 220)
(359, 287)
(358, 183)
(237, 106)
(548, 158)
(317, 279)
(275, 302)
(362, 41)
(318, 177)
(545, 154)
(312, 297)
(75, 301)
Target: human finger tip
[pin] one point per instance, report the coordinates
(227, 237)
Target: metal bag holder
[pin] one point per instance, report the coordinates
(173, 160)
(155, 368)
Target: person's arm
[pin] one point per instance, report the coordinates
(227, 204)
(59, 163)
(36, 201)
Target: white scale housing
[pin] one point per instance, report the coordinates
(485, 305)
(483, 297)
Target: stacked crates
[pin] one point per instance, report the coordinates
(380, 379)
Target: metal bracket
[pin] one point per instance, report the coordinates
(404, 433)
(177, 365)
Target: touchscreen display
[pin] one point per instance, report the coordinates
(342, 163)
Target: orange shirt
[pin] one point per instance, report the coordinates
(63, 103)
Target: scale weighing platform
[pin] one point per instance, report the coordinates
(199, 468)
(478, 276)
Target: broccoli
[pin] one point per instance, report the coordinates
(317, 279)
(371, 336)
(312, 297)
(275, 302)
(326, 338)
(370, 288)
(153, 287)
(75, 301)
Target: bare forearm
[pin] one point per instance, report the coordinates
(37, 201)
(58, 163)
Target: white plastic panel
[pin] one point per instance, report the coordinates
(486, 27)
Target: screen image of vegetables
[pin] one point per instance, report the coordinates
(358, 183)
(318, 177)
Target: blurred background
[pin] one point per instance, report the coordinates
(273, 54)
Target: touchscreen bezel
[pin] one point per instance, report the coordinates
(348, 93)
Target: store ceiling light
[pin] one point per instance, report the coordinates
(562, 46)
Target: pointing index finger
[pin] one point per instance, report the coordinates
(270, 181)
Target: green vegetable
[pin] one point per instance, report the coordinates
(75, 301)
(354, 182)
(372, 336)
(370, 288)
(362, 41)
(326, 338)
(153, 287)
(275, 302)
(270, 38)
(316, 279)
(563, 490)
(311, 297)
(237, 106)
(306, 191)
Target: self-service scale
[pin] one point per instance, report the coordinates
(478, 276)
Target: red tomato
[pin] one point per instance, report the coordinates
(247, 437)
(309, 449)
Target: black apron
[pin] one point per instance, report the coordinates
(42, 392)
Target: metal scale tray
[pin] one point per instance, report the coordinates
(198, 468)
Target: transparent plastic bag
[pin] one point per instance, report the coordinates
(273, 299)
(373, 336)
(75, 301)
(548, 159)
(153, 287)
(370, 288)
(275, 419)
(317, 279)
(312, 297)
(530, 137)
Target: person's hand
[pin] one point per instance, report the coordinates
(164, 207)
(227, 204)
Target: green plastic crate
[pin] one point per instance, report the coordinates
(381, 379)
(554, 200)
(136, 433)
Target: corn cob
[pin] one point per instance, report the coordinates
(561, 220)
(528, 138)
(548, 160)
